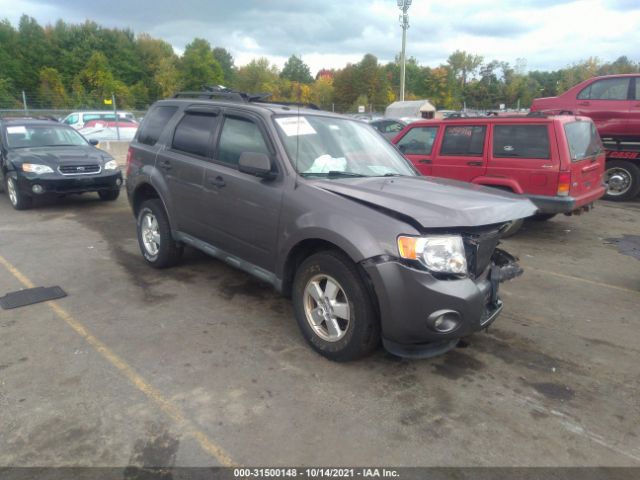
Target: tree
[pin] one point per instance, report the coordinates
(199, 67)
(463, 65)
(226, 62)
(322, 93)
(296, 70)
(258, 76)
(51, 91)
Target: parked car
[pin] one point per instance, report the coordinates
(101, 130)
(324, 209)
(557, 162)
(40, 158)
(388, 127)
(611, 101)
(77, 120)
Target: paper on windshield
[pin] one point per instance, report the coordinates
(327, 163)
(17, 129)
(292, 126)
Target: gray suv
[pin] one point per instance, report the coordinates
(327, 211)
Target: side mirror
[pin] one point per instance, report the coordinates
(258, 164)
(94, 142)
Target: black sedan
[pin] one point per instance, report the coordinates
(39, 158)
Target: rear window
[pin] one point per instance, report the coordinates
(154, 123)
(193, 134)
(521, 141)
(418, 141)
(583, 140)
(464, 140)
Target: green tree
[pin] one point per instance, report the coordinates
(259, 76)
(225, 59)
(51, 91)
(295, 70)
(198, 66)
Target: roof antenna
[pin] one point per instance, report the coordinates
(298, 136)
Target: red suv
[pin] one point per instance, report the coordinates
(612, 102)
(556, 161)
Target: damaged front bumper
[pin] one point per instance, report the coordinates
(423, 316)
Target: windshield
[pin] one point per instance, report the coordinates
(29, 136)
(583, 139)
(336, 147)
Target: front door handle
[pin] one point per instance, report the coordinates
(424, 160)
(584, 104)
(165, 165)
(474, 164)
(217, 182)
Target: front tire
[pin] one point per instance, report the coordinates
(157, 245)
(622, 180)
(543, 217)
(109, 195)
(18, 200)
(513, 228)
(334, 307)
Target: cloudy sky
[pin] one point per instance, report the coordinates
(330, 33)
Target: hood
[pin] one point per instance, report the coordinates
(54, 156)
(433, 202)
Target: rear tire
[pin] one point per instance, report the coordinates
(18, 200)
(334, 308)
(513, 228)
(109, 195)
(622, 179)
(157, 245)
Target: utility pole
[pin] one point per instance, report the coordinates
(24, 102)
(115, 112)
(404, 23)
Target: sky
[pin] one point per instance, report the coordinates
(330, 33)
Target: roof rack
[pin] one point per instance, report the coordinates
(211, 92)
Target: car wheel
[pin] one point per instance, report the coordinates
(543, 217)
(109, 195)
(622, 180)
(334, 308)
(18, 200)
(157, 245)
(513, 228)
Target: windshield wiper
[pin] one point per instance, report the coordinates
(333, 174)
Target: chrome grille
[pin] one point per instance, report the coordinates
(79, 169)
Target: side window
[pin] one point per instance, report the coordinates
(637, 97)
(154, 123)
(521, 141)
(238, 136)
(72, 119)
(607, 89)
(418, 141)
(463, 140)
(193, 134)
(393, 127)
(87, 117)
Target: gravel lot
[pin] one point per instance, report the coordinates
(203, 365)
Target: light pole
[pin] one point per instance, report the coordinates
(404, 23)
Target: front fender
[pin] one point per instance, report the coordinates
(508, 183)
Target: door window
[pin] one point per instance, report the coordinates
(72, 119)
(467, 140)
(521, 141)
(238, 136)
(193, 134)
(154, 123)
(418, 141)
(637, 88)
(607, 89)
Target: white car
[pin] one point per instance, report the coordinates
(78, 119)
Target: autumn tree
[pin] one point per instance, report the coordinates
(51, 91)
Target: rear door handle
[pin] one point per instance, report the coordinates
(584, 104)
(474, 164)
(217, 182)
(165, 165)
(424, 160)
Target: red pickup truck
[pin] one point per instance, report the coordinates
(613, 103)
(555, 161)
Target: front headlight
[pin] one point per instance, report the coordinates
(111, 165)
(36, 168)
(441, 254)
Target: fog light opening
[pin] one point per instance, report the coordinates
(37, 189)
(118, 182)
(444, 321)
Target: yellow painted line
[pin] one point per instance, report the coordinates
(580, 279)
(130, 374)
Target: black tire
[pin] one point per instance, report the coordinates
(361, 335)
(543, 217)
(630, 175)
(169, 251)
(109, 195)
(513, 228)
(17, 199)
